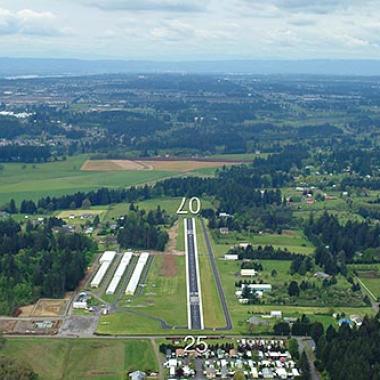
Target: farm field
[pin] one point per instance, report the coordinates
(54, 359)
(146, 165)
(292, 240)
(32, 181)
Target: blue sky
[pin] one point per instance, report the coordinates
(190, 29)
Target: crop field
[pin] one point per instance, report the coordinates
(159, 165)
(32, 181)
(55, 359)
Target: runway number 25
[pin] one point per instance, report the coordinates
(198, 344)
(194, 206)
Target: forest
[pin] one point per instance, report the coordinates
(36, 262)
(142, 230)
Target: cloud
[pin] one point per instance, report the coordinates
(319, 7)
(28, 22)
(149, 5)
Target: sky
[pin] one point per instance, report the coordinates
(175, 30)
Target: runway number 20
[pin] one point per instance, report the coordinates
(194, 206)
(198, 344)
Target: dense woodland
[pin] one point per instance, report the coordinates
(339, 244)
(351, 354)
(36, 262)
(139, 229)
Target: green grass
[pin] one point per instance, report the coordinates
(77, 359)
(371, 282)
(32, 181)
(163, 297)
(294, 240)
(169, 204)
(240, 313)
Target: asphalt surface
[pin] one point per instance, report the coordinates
(218, 281)
(192, 275)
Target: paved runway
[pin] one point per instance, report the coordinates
(194, 294)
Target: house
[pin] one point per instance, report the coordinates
(322, 276)
(137, 375)
(211, 373)
(357, 320)
(231, 257)
(248, 273)
(224, 230)
(276, 314)
(258, 287)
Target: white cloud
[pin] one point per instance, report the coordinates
(149, 5)
(28, 22)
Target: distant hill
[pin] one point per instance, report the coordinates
(47, 67)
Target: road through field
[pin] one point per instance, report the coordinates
(194, 298)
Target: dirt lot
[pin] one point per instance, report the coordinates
(7, 326)
(22, 327)
(169, 266)
(169, 165)
(49, 308)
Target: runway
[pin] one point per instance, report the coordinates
(194, 294)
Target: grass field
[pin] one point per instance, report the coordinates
(294, 241)
(146, 165)
(369, 275)
(169, 204)
(32, 181)
(241, 313)
(55, 359)
(164, 297)
(212, 308)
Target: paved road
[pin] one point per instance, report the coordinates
(219, 285)
(306, 344)
(194, 295)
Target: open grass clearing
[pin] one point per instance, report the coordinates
(33, 181)
(152, 165)
(212, 309)
(56, 359)
(163, 296)
(292, 240)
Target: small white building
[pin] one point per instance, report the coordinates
(231, 257)
(248, 273)
(276, 314)
(80, 304)
(258, 287)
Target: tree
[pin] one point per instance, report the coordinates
(282, 328)
(12, 209)
(316, 331)
(293, 289)
(86, 204)
(304, 367)
(294, 349)
(239, 375)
